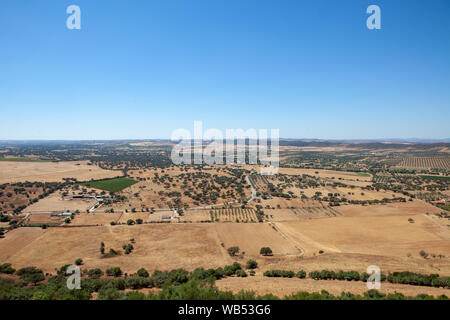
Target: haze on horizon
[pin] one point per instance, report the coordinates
(142, 70)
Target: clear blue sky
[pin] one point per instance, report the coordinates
(141, 69)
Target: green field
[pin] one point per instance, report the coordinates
(363, 174)
(23, 160)
(112, 185)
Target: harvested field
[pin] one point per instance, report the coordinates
(409, 208)
(282, 203)
(133, 216)
(43, 219)
(315, 212)
(301, 213)
(387, 235)
(284, 286)
(95, 218)
(55, 202)
(16, 240)
(356, 261)
(251, 237)
(51, 171)
(162, 246)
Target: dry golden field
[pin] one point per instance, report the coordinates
(157, 246)
(303, 233)
(286, 286)
(55, 202)
(11, 172)
(381, 236)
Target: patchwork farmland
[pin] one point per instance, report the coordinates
(158, 216)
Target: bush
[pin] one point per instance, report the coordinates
(158, 278)
(128, 248)
(31, 274)
(130, 222)
(301, 274)
(251, 264)
(231, 269)
(279, 274)
(108, 294)
(219, 273)
(114, 272)
(79, 262)
(143, 273)
(180, 276)
(94, 273)
(139, 221)
(266, 251)
(241, 273)
(6, 268)
(232, 251)
(138, 283)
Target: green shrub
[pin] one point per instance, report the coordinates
(137, 283)
(158, 278)
(266, 251)
(114, 272)
(232, 251)
(143, 273)
(251, 264)
(94, 273)
(241, 273)
(6, 268)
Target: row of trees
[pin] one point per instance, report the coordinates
(410, 278)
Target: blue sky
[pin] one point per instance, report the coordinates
(141, 69)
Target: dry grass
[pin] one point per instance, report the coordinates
(164, 247)
(284, 286)
(55, 202)
(11, 172)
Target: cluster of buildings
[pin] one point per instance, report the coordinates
(444, 202)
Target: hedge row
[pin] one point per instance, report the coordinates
(410, 278)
